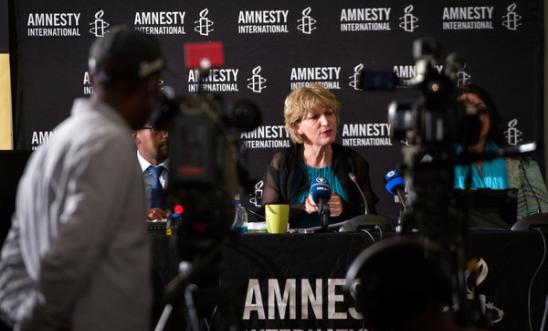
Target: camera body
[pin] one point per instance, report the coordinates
(431, 126)
(206, 164)
(203, 175)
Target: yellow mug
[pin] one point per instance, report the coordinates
(277, 218)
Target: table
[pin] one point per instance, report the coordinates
(295, 281)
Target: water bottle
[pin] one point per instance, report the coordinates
(240, 216)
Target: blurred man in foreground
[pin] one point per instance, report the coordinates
(77, 255)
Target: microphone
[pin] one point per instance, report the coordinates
(365, 221)
(395, 185)
(353, 179)
(321, 192)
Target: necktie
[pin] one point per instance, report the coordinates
(155, 186)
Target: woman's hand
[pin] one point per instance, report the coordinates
(309, 205)
(335, 205)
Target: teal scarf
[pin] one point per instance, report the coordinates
(332, 179)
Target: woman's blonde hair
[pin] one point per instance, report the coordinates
(301, 101)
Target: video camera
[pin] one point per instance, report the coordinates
(206, 172)
(431, 126)
(205, 157)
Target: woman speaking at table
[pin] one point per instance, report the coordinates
(312, 116)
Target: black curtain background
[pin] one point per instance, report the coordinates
(505, 57)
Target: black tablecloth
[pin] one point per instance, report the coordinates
(261, 269)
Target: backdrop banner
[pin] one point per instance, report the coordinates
(272, 48)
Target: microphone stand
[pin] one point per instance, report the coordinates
(403, 207)
(399, 224)
(324, 217)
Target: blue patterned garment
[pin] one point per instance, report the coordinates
(493, 173)
(332, 179)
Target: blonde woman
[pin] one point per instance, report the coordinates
(312, 117)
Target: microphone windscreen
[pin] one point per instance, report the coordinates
(320, 189)
(393, 182)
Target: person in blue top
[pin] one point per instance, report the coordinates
(311, 118)
(501, 173)
(488, 174)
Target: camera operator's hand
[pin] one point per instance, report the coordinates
(335, 205)
(155, 214)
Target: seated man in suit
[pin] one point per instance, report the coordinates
(152, 154)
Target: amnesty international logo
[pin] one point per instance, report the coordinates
(355, 78)
(511, 20)
(409, 22)
(256, 81)
(307, 23)
(328, 77)
(463, 77)
(263, 137)
(513, 134)
(203, 24)
(263, 21)
(218, 80)
(493, 314)
(53, 24)
(86, 83)
(99, 26)
(366, 134)
(170, 22)
(258, 194)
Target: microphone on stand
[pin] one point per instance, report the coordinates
(353, 179)
(321, 192)
(366, 220)
(395, 185)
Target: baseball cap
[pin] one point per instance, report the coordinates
(125, 55)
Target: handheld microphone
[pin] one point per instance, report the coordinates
(395, 185)
(354, 180)
(321, 192)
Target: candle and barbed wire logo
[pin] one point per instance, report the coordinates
(257, 197)
(463, 77)
(257, 83)
(409, 22)
(307, 23)
(204, 24)
(493, 313)
(355, 77)
(513, 134)
(99, 26)
(511, 20)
